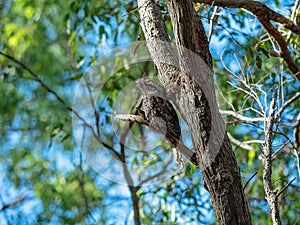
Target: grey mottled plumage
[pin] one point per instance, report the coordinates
(161, 114)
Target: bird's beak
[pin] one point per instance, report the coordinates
(140, 83)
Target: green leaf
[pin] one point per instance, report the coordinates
(258, 62)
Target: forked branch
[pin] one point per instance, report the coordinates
(264, 14)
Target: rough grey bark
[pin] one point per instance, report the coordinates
(271, 196)
(189, 83)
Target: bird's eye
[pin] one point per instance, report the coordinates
(151, 88)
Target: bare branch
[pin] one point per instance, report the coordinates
(285, 187)
(161, 172)
(282, 149)
(297, 140)
(267, 166)
(65, 105)
(36, 78)
(286, 104)
(298, 160)
(293, 18)
(135, 202)
(132, 118)
(81, 181)
(133, 188)
(257, 8)
(189, 154)
(42, 83)
(254, 141)
(240, 117)
(264, 15)
(16, 202)
(284, 52)
(297, 132)
(213, 20)
(240, 143)
(96, 114)
(250, 180)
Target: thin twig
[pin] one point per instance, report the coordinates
(297, 131)
(212, 19)
(281, 149)
(16, 202)
(161, 172)
(240, 117)
(96, 114)
(36, 78)
(286, 104)
(81, 179)
(239, 143)
(249, 180)
(264, 15)
(48, 89)
(285, 187)
(293, 18)
(257, 8)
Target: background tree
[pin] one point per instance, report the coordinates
(47, 47)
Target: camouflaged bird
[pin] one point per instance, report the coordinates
(161, 114)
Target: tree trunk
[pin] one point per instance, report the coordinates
(188, 78)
